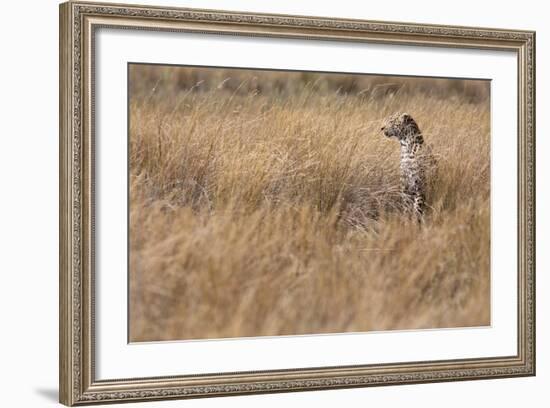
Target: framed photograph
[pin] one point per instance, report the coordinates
(258, 203)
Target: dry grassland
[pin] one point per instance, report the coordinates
(268, 203)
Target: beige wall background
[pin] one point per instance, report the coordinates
(29, 188)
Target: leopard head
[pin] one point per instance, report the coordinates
(400, 125)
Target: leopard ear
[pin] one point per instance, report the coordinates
(407, 119)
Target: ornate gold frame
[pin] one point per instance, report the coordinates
(78, 21)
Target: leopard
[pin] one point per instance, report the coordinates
(417, 161)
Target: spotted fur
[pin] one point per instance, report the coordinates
(416, 160)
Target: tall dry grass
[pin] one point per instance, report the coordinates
(268, 203)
